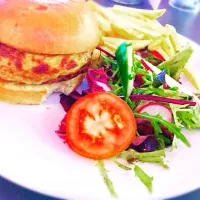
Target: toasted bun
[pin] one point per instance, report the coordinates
(11, 92)
(48, 26)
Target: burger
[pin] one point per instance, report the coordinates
(45, 47)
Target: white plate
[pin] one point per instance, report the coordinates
(32, 155)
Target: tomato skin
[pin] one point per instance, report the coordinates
(116, 131)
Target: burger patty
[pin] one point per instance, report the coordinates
(31, 68)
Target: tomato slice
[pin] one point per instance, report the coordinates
(100, 125)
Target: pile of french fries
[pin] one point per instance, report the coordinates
(136, 26)
(139, 27)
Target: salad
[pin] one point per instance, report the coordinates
(131, 108)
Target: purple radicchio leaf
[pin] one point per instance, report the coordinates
(146, 143)
(62, 128)
(167, 133)
(138, 80)
(75, 95)
(66, 102)
(97, 80)
(144, 126)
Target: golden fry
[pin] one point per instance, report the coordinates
(155, 29)
(162, 52)
(151, 14)
(192, 77)
(173, 37)
(126, 33)
(156, 43)
(167, 47)
(104, 25)
(112, 42)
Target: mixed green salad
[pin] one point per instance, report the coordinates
(161, 105)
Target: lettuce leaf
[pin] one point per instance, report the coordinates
(151, 157)
(185, 115)
(120, 164)
(176, 64)
(108, 182)
(144, 178)
(97, 80)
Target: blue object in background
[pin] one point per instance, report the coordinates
(187, 25)
(186, 5)
(128, 2)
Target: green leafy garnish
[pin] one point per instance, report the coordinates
(108, 182)
(144, 178)
(156, 126)
(120, 164)
(151, 157)
(170, 126)
(153, 59)
(189, 119)
(116, 89)
(176, 64)
(161, 92)
(174, 145)
(185, 115)
(162, 140)
(173, 88)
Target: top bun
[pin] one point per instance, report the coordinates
(48, 26)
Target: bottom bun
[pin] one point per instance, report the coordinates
(11, 92)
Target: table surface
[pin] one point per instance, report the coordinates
(187, 25)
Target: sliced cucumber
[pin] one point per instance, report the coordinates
(124, 56)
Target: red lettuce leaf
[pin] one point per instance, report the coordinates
(97, 80)
(138, 80)
(62, 128)
(145, 143)
(75, 95)
(139, 140)
(66, 102)
(144, 126)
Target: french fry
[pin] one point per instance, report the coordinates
(158, 25)
(112, 47)
(155, 29)
(126, 33)
(192, 77)
(110, 50)
(162, 52)
(96, 54)
(167, 47)
(135, 29)
(115, 42)
(105, 12)
(104, 24)
(97, 8)
(156, 43)
(96, 58)
(130, 14)
(173, 37)
(151, 14)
